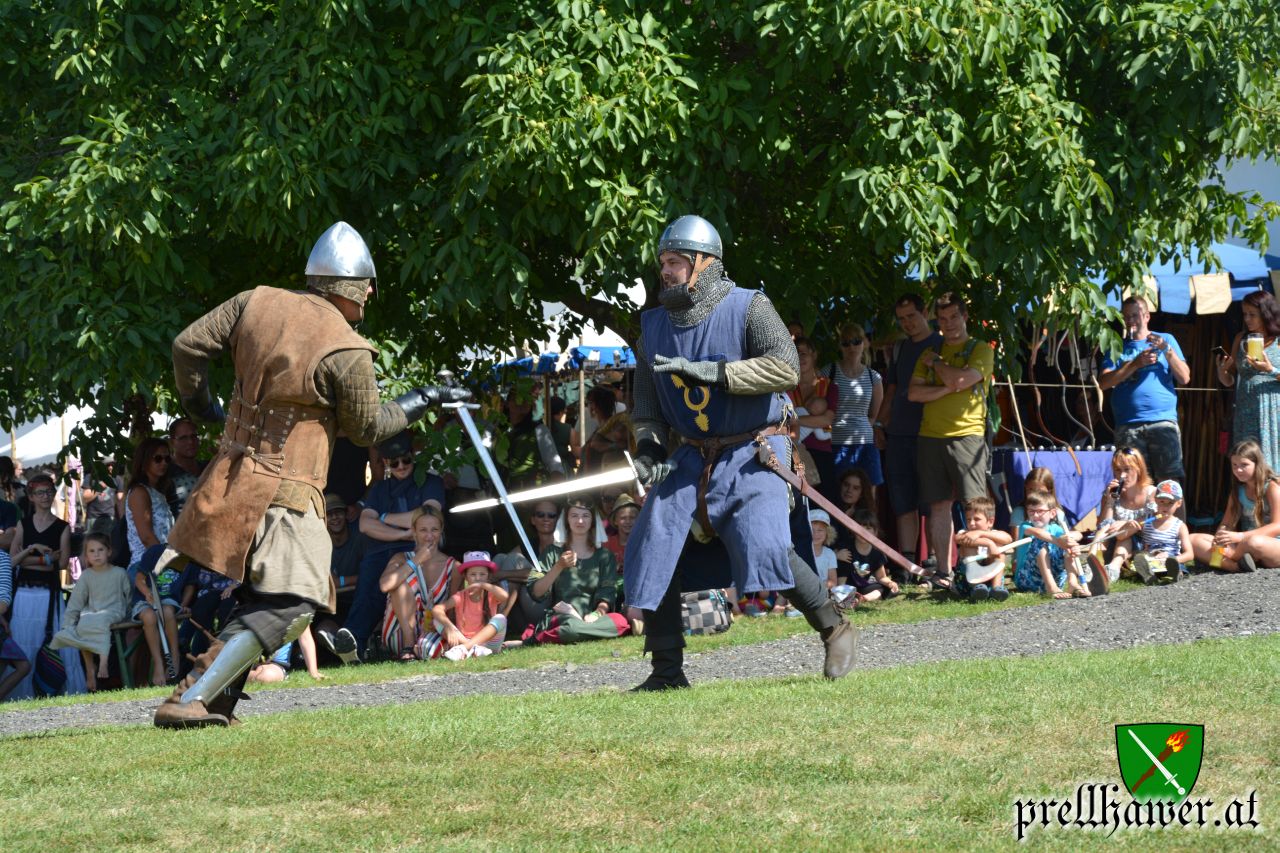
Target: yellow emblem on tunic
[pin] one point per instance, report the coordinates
(703, 422)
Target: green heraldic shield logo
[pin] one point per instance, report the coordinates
(1159, 761)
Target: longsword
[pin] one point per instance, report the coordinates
(769, 459)
(1155, 762)
(464, 415)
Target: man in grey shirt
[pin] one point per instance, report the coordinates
(898, 423)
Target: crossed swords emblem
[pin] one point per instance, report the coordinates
(1173, 744)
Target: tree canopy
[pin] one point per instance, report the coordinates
(160, 156)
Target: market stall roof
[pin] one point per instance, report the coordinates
(1181, 279)
(577, 358)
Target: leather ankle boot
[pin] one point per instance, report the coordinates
(668, 672)
(176, 714)
(841, 643)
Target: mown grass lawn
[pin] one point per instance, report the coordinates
(929, 756)
(911, 607)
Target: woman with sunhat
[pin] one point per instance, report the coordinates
(622, 518)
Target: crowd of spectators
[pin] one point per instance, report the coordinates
(898, 431)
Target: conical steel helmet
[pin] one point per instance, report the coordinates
(691, 234)
(341, 253)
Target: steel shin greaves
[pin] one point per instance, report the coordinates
(238, 654)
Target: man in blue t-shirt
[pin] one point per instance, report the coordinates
(1144, 402)
(385, 517)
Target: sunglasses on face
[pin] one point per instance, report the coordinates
(335, 512)
(851, 342)
(42, 493)
(161, 457)
(541, 514)
(399, 461)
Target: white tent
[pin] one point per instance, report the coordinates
(38, 442)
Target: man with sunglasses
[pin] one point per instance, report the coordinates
(714, 364)
(186, 466)
(257, 513)
(386, 518)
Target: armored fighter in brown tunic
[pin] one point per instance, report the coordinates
(257, 513)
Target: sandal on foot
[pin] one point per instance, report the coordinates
(407, 655)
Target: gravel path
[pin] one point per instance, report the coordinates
(1202, 607)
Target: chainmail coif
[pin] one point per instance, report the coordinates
(710, 289)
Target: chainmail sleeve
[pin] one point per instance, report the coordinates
(646, 415)
(345, 379)
(773, 364)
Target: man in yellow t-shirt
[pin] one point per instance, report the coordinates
(951, 454)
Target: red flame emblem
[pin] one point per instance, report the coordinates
(1177, 740)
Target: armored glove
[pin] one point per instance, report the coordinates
(416, 402)
(203, 406)
(696, 372)
(650, 463)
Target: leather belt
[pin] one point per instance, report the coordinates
(710, 449)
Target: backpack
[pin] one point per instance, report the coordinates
(985, 390)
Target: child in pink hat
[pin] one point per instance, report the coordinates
(478, 626)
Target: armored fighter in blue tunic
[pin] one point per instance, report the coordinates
(713, 364)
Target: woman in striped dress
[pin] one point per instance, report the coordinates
(404, 623)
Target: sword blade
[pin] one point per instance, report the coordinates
(469, 425)
(775, 465)
(1155, 762)
(568, 487)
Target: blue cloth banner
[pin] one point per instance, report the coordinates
(1077, 493)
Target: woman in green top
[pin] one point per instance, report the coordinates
(579, 584)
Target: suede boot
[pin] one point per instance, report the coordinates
(176, 714)
(668, 672)
(841, 643)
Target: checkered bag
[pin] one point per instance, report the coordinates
(704, 612)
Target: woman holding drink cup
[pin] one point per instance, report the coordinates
(1254, 367)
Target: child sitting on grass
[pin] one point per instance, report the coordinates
(981, 537)
(1166, 541)
(1249, 535)
(478, 626)
(99, 600)
(863, 565)
(824, 559)
(1043, 566)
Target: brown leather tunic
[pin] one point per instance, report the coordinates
(279, 430)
